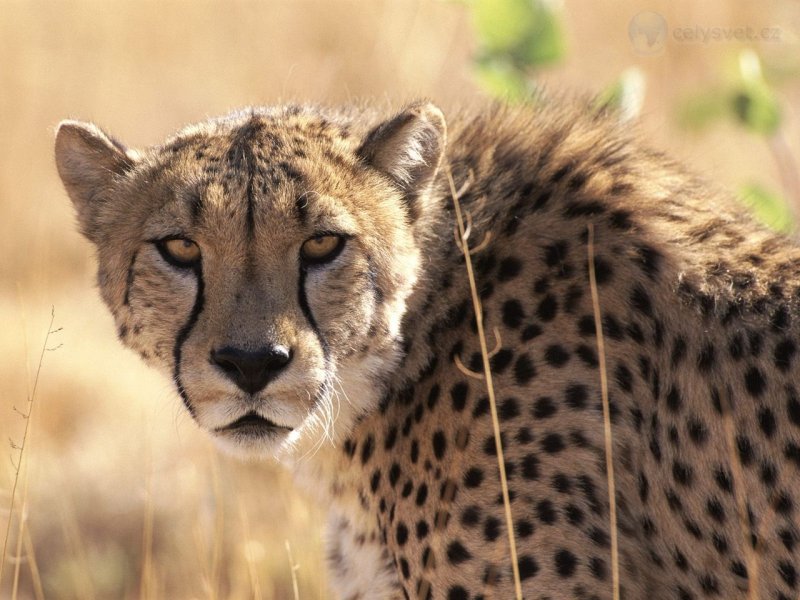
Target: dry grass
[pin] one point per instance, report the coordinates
(607, 436)
(124, 499)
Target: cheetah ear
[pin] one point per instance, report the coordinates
(88, 162)
(408, 148)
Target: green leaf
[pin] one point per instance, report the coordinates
(502, 79)
(769, 208)
(503, 24)
(527, 32)
(698, 112)
(756, 107)
(753, 103)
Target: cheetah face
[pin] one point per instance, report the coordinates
(262, 260)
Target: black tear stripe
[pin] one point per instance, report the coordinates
(183, 334)
(129, 280)
(303, 301)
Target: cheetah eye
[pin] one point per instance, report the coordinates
(321, 249)
(179, 252)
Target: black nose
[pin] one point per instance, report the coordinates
(251, 370)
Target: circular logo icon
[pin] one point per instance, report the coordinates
(648, 32)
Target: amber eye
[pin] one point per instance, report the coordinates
(321, 249)
(179, 252)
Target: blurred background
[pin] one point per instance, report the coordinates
(118, 494)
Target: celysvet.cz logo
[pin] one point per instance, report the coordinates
(649, 33)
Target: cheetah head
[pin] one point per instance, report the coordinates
(263, 260)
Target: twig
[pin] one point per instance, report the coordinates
(21, 446)
(487, 373)
(601, 351)
(293, 568)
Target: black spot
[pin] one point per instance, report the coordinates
(422, 494)
(524, 370)
(767, 421)
(556, 356)
(457, 592)
(745, 449)
(471, 516)
(500, 361)
(530, 467)
(401, 533)
(508, 409)
(788, 573)
(530, 332)
(624, 378)
(366, 449)
(784, 353)
(544, 407)
(620, 219)
(736, 346)
(678, 351)
(394, 474)
(640, 301)
(458, 395)
(698, 432)
(565, 562)
(546, 513)
(548, 308)
(793, 406)
(509, 268)
(562, 483)
(482, 407)
(705, 360)
(649, 259)
(433, 396)
(553, 443)
(586, 326)
(576, 396)
(473, 477)
(513, 314)
(375, 480)
(780, 319)
(457, 553)
(528, 567)
(587, 355)
(439, 444)
(491, 529)
(754, 381)
(602, 270)
(580, 209)
(674, 400)
(612, 328)
(574, 514)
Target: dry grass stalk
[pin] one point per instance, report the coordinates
(601, 353)
(20, 448)
(36, 577)
(293, 569)
(147, 583)
(487, 373)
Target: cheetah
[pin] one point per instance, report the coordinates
(294, 270)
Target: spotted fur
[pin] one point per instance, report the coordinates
(699, 314)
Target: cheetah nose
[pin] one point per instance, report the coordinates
(252, 370)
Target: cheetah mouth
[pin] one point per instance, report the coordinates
(253, 425)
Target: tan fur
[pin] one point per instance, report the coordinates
(700, 319)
